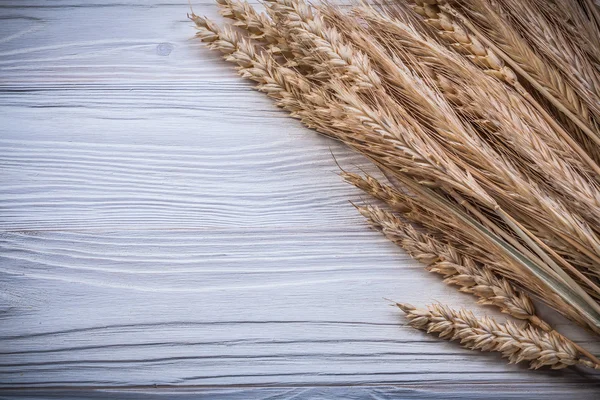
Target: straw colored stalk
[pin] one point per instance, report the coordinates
(486, 334)
(494, 107)
(361, 121)
(486, 20)
(481, 54)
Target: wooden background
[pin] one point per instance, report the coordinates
(166, 232)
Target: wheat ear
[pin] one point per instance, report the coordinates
(486, 334)
(553, 43)
(486, 58)
(457, 269)
(495, 32)
(575, 19)
(260, 27)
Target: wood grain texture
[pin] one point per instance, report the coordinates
(163, 224)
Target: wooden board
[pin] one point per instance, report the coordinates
(166, 232)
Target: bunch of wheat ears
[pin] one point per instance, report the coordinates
(484, 117)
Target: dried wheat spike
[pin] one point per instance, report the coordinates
(244, 16)
(284, 85)
(259, 26)
(488, 20)
(486, 334)
(457, 268)
(382, 192)
(486, 58)
(321, 46)
(459, 38)
(554, 43)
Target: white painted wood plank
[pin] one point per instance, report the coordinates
(379, 392)
(161, 223)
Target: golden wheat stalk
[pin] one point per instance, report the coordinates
(553, 43)
(457, 269)
(486, 334)
(576, 20)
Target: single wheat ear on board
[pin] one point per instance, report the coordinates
(493, 174)
(486, 334)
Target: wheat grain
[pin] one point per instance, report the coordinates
(460, 39)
